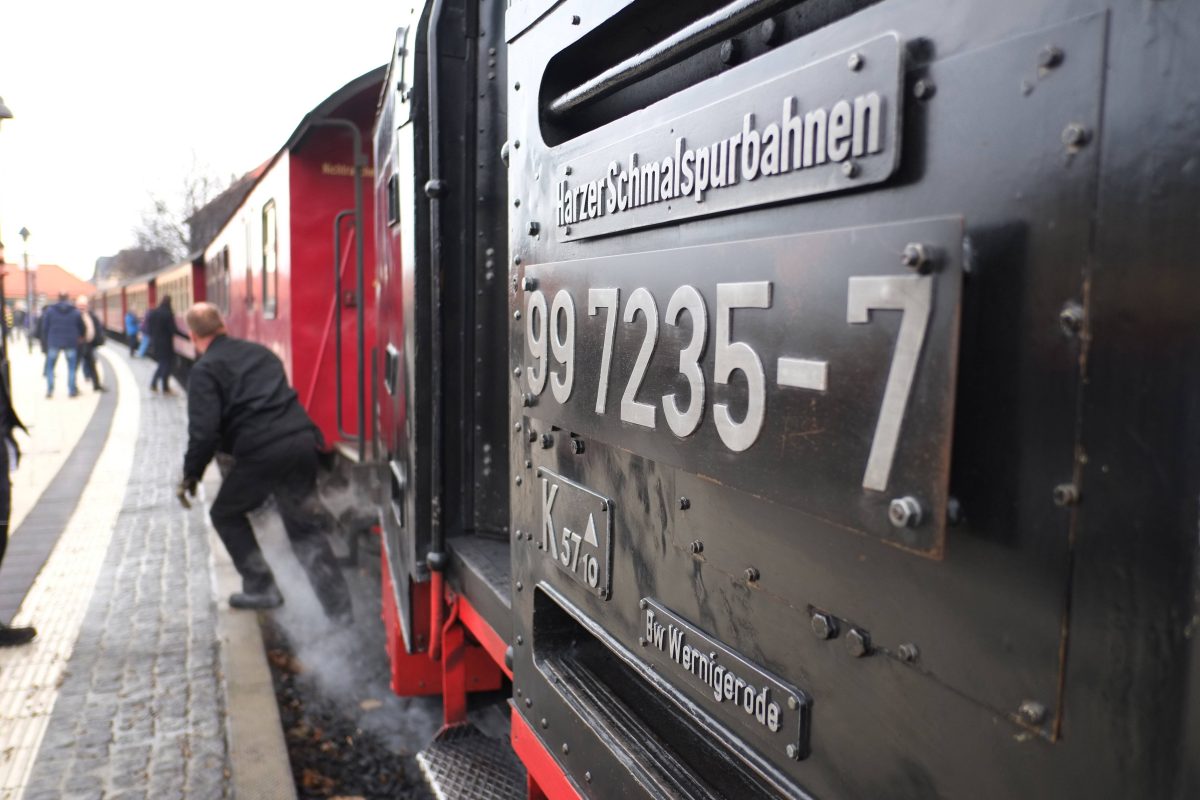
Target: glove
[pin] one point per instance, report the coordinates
(187, 486)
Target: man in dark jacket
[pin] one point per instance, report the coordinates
(93, 337)
(239, 402)
(10, 455)
(60, 330)
(163, 329)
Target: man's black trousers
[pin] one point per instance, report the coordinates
(287, 469)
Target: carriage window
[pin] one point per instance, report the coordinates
(249, 299)
(393, 200)
(270, 261)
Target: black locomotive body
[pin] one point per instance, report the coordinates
(852, 422)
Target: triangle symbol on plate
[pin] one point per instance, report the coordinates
(589, 536)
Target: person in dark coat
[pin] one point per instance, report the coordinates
(239, 402)
(60, 331)
(163, 329)
(10, 456)
(93, 337)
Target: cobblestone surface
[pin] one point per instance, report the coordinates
(141, 711)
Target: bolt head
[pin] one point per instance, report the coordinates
(905, 512)
(751, 574)
(908, 653)
(1066, 494)
(684, 504)
(792, 751)
(858, 642)
(697, 547)
(1075, 135)
(1070, 318)
(793, 703)
(1032, 712)
(855, 61)
(643, 605)
(850, 169)
(916, 257)
(923, 89)
(728, 51)
(547, 441)
(768, 31)
(534, 227)
(577, 446)
(824, 626)
(954, 511)
(1050, 56)
(575, 20)
(529, 284)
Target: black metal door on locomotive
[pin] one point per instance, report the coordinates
(775, 266)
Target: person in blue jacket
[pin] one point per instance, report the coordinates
(60, 331)
(131, 332)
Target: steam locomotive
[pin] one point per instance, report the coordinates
(790, 399)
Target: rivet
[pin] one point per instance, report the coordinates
(520, 639)
(516, 144)
(516, 203)
(642, 604)
(849, 169)
(567, 169)
(954, 511)
(529, 702)
(566, 748)
(520, 585)
(534, 227)
(905, 512)
(684, 504)
(517, 425)
(858, 642)
(1070, 318)
(517, 374)
(545, 723)
(792, 751)
(519, 692)
(793, 703)
(517, 314)
(924, 89)
(824, 626)
(517, 260)
(729, 51)
(1075, 135)
(1066, 494)
(518, 480)
(642, 641)
(697, 547)
(517, 86)
(587, 776)
(575, 19)
(1032, 712)
(547, 441)
(751, 574)
(908, 653)
(1050, 57)
(528, 464)
(855, 62)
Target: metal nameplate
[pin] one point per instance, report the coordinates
(829, 125)
(576, 531)
(768, 713)
(814, 370)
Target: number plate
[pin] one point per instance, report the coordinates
(576, 531)
(814, 370)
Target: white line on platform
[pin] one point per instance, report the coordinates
(56, 603)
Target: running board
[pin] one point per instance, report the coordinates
(462, 762)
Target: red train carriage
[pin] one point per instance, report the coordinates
(271, 268)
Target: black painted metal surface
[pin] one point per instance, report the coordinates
(1032, 635)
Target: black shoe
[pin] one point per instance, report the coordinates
(10, 637)
(101, 389)
(271, 598)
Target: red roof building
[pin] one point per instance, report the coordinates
(48, 281)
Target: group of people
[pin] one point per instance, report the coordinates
(75, 332)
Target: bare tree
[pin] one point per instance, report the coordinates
(165, 226)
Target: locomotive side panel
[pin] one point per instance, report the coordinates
(796, 367)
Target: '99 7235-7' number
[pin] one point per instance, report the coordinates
(550, 326)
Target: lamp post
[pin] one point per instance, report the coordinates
(29, 287)
(5, 113)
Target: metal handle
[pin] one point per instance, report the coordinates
(337, 314)
(674, 48)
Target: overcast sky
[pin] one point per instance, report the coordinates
(113, 101)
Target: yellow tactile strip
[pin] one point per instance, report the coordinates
(30, 675)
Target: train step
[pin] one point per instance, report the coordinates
(463, 762)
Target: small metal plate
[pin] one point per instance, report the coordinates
(826, 126)
(815, 370)
(758, 707)
(576, 532)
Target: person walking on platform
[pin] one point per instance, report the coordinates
(163, 329)
(10, 455)
(144, 345)
(239, 402)
(93, 337)
(131, 332)
(60, 330)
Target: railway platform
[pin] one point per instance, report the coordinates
(142, 682)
